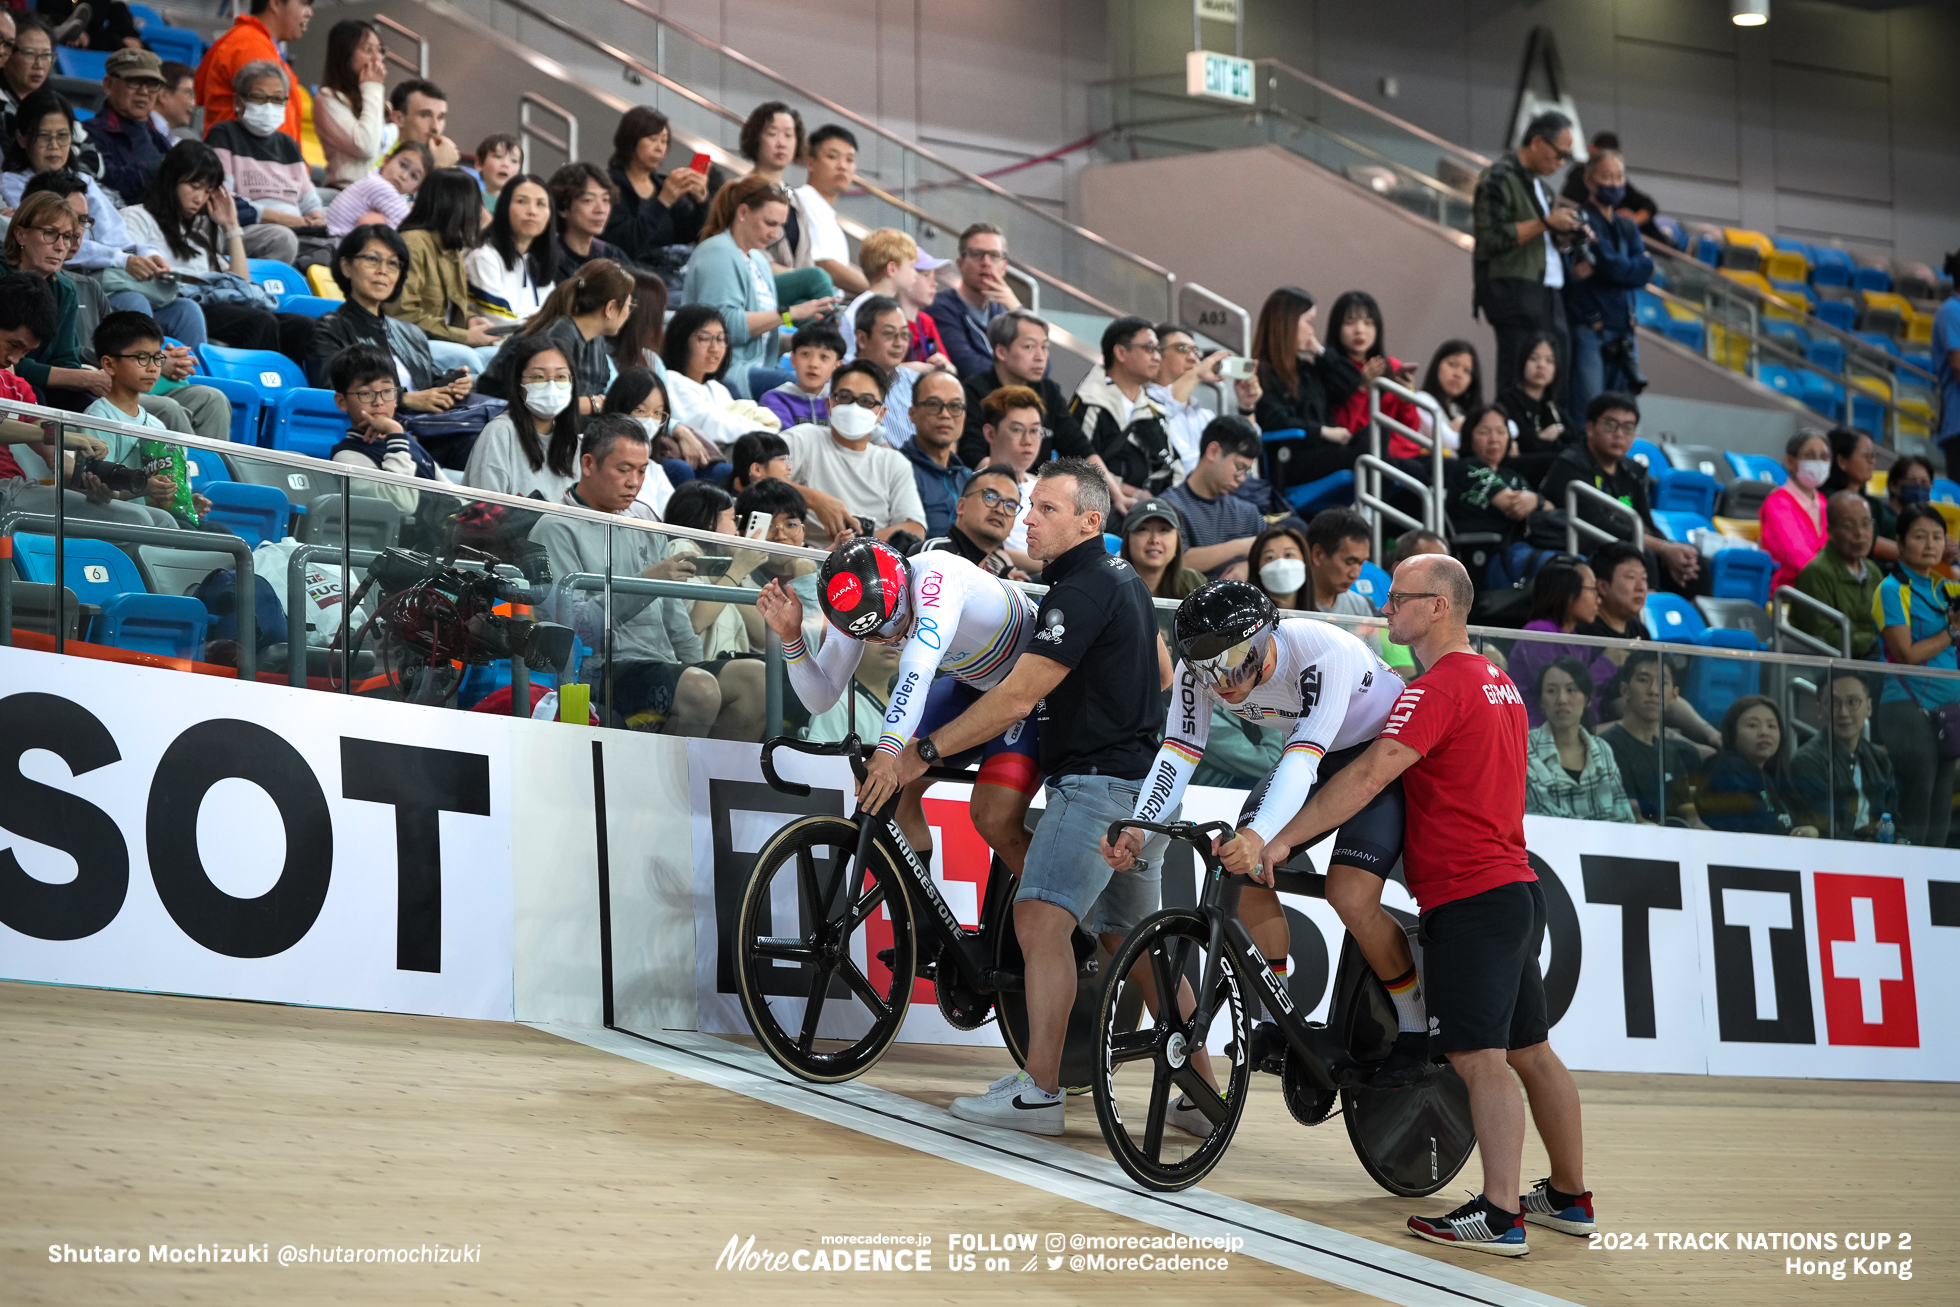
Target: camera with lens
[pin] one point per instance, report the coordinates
(1620, 354)
(115, 477)
(443, 613)
(1580, 244)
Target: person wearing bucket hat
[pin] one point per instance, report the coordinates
(130, 147)
(1153, 544)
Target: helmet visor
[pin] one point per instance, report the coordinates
(1231, 666)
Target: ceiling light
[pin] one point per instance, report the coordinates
(1749, 13)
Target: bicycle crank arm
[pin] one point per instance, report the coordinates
(1326, 1061)
(995, 981)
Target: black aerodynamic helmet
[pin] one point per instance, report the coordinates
(1223, 629)
(865, 588)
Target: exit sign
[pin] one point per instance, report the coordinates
(1219, 11)
(1219, 77)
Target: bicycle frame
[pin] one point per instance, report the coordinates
(967, 948)
(1321, 1052)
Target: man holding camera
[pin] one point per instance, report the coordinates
(1519, 272)
(1608, 264)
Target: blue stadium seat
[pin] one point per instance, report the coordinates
(1648, 455)
(1798, 291)
(1741, 574)
(1781, 329)
(1708, 250)
(178, 43)
(1687, 331)
(1841, 314)
(256, 514)
(90, 65)
(1878, 340)
(1826, 354)
(1756, 467)
(1945, 491)
(1712, 684)
(1670, 617)
(1675, 524)
(309, 306)
(1688, 492)
(1821, 393)
(1332, 491)
(1829, 274)
(144, 16)
(282, 279)
(205, 467)
(267, 370)
(1784, 381)
(1371, 585)
(1871, 279)
(1112, 543)
(1648, 310)
(1867, 415)
(306, 422)
(131, 617)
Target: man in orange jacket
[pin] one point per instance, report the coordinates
(252, 37)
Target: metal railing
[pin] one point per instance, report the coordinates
(566, 145)
(420, 65)
(1781, 629)
(1075, 266)
(1372, 466)
(1575, 526)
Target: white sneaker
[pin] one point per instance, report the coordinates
(1184, 1114)
(1014, 1103)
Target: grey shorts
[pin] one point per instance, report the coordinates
(1065, 869)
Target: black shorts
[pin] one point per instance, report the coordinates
(642, 693)
(1371, 839)
(1480, 974)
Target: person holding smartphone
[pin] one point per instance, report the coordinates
(1184, 369)
(655, 211)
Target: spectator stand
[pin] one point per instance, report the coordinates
(1371, 468)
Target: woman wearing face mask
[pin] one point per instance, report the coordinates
(583, 314)
(1744, 788)
(265, 164)
(1910, 482)
(1794, 518)
(369, 267)
(1278, 565)
(641, 395)
(1852, 464)
(531, 448)
(1153, 545)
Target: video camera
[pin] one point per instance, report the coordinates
(443, 613)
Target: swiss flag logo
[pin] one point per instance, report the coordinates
(1866, 951)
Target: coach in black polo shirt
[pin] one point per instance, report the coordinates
(1093, 674)
(1602, 463)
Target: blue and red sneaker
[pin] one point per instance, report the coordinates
(1557, 1210)
(1479, 1225)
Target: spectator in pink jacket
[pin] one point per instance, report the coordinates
(1794, 518)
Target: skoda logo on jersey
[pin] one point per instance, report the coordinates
(1053, 630)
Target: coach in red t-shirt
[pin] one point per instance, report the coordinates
(1457, 740)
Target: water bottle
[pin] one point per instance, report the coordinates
(1887, 833)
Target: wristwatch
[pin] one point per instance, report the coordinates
(928, 751)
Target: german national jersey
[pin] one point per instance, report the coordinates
(1466, 793)
(966, 622)
(1328, 691)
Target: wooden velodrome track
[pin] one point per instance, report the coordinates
(583, 1175)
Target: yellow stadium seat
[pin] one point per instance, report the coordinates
(1774, 305)
(1885, 299)
(1871, 385)
(1951, 512)
(1728, 348)
(1738, 528)
(322, 283)
(1919, 328)
(1786, 265)
(1876, 486)
(1754, 240)
(1915, 416)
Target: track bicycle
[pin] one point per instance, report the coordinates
(1412, 1140)
(839, 918)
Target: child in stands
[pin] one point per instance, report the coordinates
(365, 389)
(814, 353)
(383, 195)
(498, 159)
(130, 347)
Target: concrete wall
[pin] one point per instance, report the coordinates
(1831, 122)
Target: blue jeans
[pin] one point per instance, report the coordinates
(447, 354)
(1590, 372)
(180, 319)
(1065, 869)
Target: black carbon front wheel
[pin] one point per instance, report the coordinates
(1142, 1073)
(1412, 1141)
(810, 932)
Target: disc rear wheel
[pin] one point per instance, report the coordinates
(826, 951)
(1142, 1073)
(1413, 1141)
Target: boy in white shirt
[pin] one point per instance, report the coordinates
(130, 347)
(831, 159)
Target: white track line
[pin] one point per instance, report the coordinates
(1327, 1254)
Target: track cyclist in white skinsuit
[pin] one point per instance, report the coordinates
(1331, 694)
(949, 616)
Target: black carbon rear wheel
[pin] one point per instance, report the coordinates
(1141, 1073)
(814, 988)
(1412, 1141)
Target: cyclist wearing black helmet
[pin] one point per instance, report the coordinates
(1330, 694)
(948, 616)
